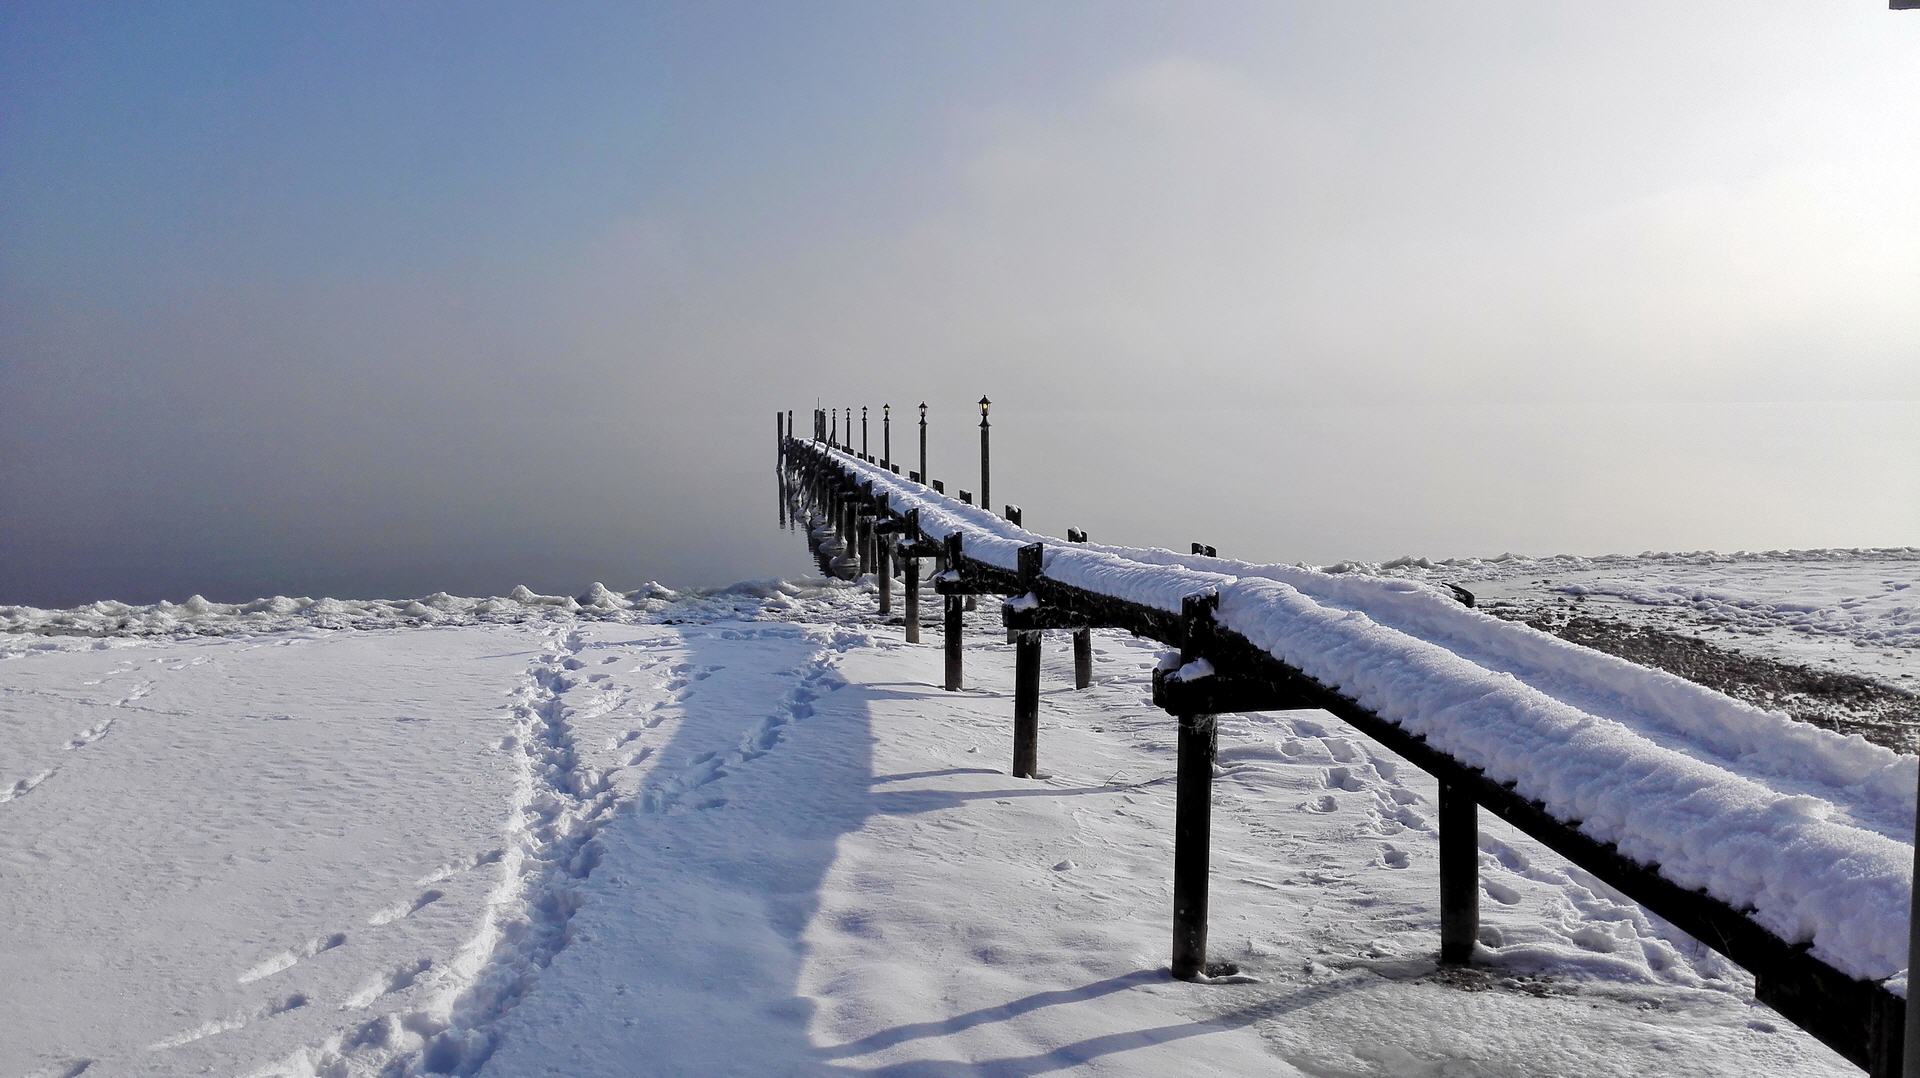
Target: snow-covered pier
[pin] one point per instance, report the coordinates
(1782, 846)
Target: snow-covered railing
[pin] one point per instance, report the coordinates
(1783, 846)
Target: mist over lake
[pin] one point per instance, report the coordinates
(689, 498)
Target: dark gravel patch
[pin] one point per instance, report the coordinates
(1848, 703)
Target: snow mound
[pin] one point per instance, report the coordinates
(279, 613)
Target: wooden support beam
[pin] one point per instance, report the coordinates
(910, 564)
(1459, 875)
(1028, 613)
(884, 571)
(1223, 694)
(1026, 705)
(1195, 747)
(912, 589)
(953, 581)
(1026, 678)
(952, 641)
(1192, 827)
(1083, 636)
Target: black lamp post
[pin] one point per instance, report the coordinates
(849, 446)
(833, 431)
(863, 431)
(924, 477)
(886, 436)
(986, 497)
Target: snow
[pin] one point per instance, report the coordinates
(1807, 877)
(1810, 829)
(740, 832)
(747, 835)
(1845, 611)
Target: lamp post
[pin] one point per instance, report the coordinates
(924, 477)
(849, 445)
(833, 431)
(863, 431)
(886, 436)
(986, 497)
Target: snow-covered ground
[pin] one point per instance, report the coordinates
(744, 834)
(1854, 611)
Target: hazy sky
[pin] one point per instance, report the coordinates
(348, 296)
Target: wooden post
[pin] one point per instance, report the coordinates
(864, 500)
(1192, 827)
(885, 571)
(1026, 677)
(912, 568)
(780, 435)
(1026, 705)
(952, 641)
(986, 483)
(1082, 638)
(1459, 875)
(1195, 744)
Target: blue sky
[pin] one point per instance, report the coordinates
(256, 259)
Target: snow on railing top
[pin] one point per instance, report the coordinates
(1802, 826)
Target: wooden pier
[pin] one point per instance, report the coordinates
(1218, 671)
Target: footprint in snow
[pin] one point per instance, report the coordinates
(215, 1026)
(455, 868)
(1500, 892)
(1340, 778)
(287, 959)
(406, 909)
(399, 979)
